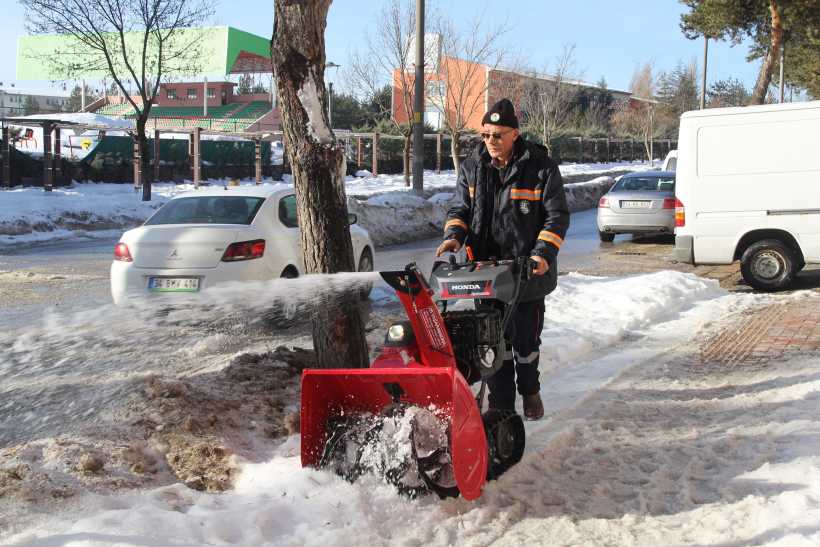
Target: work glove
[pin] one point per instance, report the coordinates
(448, 246)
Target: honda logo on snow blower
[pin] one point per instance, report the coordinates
(458, 290)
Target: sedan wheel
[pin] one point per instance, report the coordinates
(365, 265)
(606, 237)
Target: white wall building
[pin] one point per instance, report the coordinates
(13, 101)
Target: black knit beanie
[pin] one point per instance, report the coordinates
(501, 113)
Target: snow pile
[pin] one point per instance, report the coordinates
(591, 313)
(666, 453)
(585, 195)
(398, 217)
(30, 214)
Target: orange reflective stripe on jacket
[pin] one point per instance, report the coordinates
(530, 195)
(456, 222)
(549, 237)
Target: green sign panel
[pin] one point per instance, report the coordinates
(219, 50)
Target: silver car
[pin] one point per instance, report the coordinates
(638, 203)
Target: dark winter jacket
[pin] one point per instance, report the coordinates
(527, 216)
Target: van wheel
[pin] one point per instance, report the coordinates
(768, 265)
(606, 237)
(365, 265)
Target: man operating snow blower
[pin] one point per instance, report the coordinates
(510, 203)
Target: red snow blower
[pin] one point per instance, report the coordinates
(412, 416)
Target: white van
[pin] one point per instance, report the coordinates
(748, 188)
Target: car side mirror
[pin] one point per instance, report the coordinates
(352, 218)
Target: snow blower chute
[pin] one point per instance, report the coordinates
(412, 416)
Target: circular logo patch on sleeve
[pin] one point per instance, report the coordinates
(495, 116)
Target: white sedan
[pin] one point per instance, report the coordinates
(203, 238)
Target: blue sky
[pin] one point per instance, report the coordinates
(611, 36)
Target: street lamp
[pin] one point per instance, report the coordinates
(330, 64)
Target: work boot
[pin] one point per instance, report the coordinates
(533, 407)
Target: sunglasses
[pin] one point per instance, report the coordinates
(494, 136)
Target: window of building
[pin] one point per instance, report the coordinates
(436, 89)
(171, 93)
(211, 93)
(192, 93)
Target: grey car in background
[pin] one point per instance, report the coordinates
(638, 203)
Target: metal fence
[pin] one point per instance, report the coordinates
(112, 159)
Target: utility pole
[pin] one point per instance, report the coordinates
(330, 104)
(330, 64)
(703, 80)
(418, 103)
(205, 97)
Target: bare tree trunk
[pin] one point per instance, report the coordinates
(455, 150)
(143, 157)
(765, 76)
(298, 55)
(646, 138)
(406, 158)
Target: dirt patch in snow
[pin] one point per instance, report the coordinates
(195, 429)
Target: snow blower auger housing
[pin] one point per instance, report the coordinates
(412, 416)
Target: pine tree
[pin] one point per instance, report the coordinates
(769, 24)
(728, 92)
(75, 101)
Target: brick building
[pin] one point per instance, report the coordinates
(451, 81)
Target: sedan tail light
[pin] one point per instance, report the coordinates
(680, 214)
(244, 250)
(122, 253)
(669, 203)
(603, 202)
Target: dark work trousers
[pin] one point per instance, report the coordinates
(520, 358)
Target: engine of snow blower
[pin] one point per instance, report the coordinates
(412, 417)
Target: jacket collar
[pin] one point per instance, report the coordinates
(520, 152)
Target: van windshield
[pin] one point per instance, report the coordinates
(207, 210)
(645, 183)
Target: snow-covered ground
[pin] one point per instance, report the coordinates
(29, 215)
(366, 184)
(641, 445)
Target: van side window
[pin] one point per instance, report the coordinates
(287, 211)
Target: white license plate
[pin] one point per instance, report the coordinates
(636, 204)
(173, 284)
